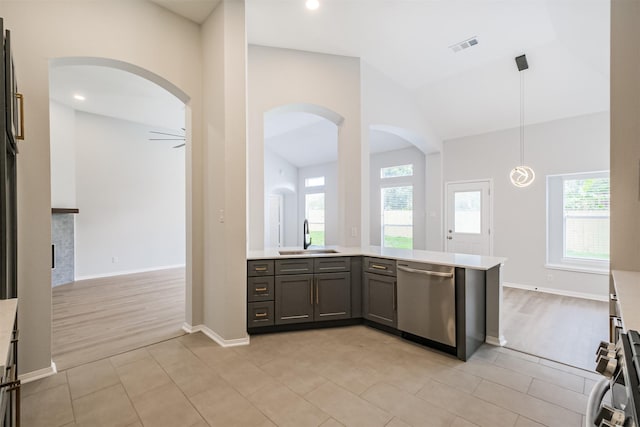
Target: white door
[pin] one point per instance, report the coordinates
(276, 232)
(468, 224)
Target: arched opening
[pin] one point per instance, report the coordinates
(301, 175)
(119, 147)
(397, 188)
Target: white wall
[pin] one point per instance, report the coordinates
(330, 189)
(53, 29)
(225, 161)
(63, 156)
(579, 144)
(131, 197)
(395, 158)
(281, 177)
(278, 77)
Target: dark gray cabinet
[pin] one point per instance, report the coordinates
(379, 299)
(260, 267)
(260, 314)
(294, 301)
(260, 293)
(333, 296)
(304, 298)
(260, 288)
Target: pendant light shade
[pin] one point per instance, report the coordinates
(522, 176)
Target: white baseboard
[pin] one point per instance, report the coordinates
(555, 291)
(122, 273)
(39, 374)
(498, 342)
(214, 336)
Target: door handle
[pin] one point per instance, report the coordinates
(449, 238)
(426, 272)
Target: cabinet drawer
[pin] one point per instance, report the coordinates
(294, 266)
(260, 288)
(261, 267)
(331, 264)
(380, 266)
(259, 314)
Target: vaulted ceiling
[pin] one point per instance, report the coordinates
(475, 90)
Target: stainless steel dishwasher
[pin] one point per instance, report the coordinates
(427, 301)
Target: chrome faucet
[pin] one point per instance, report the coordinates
(306, 237)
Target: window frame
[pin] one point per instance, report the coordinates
(392, 182)
(556, 243)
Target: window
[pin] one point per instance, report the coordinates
(396, 171)
(314, 213)
(317, 181)
(397, 217)
(468, 212)
(578, 223)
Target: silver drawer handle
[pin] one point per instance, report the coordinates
(378, 267)
(425, 272)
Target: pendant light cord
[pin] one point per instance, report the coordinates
(521, 118)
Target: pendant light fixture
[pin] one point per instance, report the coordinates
(522, 176)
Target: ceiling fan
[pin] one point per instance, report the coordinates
(176, 137)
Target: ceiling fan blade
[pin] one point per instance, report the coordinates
(178, 146)
(164, 133)
(166, 139)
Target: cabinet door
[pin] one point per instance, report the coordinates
(294, 299)
(332, 296)
(379, 299)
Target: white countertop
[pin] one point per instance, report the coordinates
(627, 284)
(475, 262)
(8, 309)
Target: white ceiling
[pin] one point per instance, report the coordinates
(473, 91)
(116, 93)
(302, 139)
(194, 10)
(470, 92)
(380, 142)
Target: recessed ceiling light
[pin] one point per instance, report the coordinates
(312, 4)
(79, 97)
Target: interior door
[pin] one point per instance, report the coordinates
(468, 224)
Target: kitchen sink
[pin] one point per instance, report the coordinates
(309, 252)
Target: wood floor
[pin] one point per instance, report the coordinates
(98, 318)
(555, 327)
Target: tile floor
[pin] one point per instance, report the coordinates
(351, 376)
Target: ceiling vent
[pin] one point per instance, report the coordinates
(465, 44)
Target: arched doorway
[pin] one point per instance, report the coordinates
(301, 156)
(129, 155)
(396, 188)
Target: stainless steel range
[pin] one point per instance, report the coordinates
(620, 365)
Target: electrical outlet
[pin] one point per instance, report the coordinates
(114, 259)
(549, 277)
(221, 215)
(354, 231)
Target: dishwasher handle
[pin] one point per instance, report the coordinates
(425, 272)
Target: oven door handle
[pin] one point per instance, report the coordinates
(595, 400)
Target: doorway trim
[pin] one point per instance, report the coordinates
(445, 197)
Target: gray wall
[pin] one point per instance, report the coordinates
(579, 144)
(625, 135)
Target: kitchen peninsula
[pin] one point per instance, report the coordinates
(455, 305)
